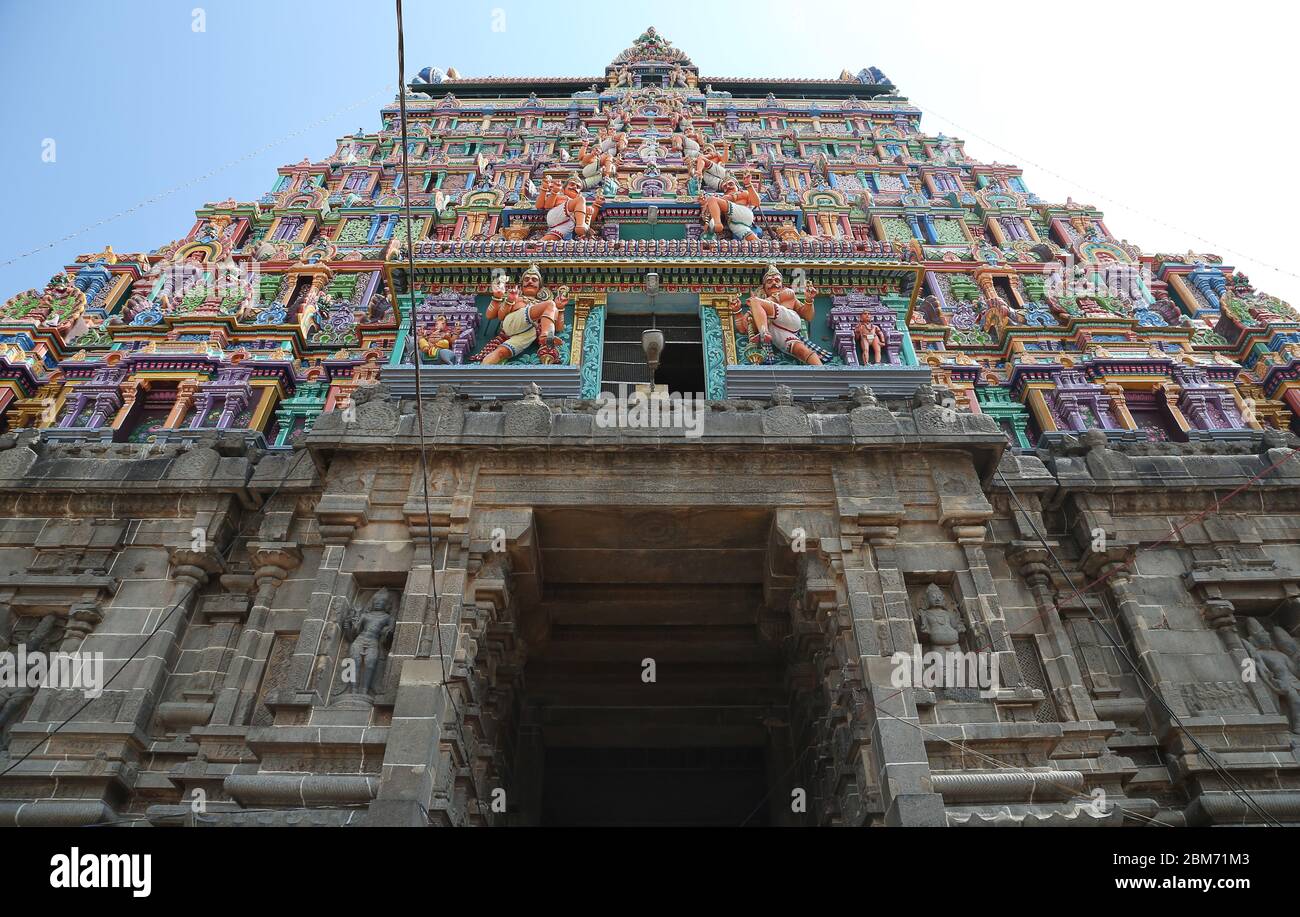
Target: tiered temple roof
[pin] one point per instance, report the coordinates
(267, 312)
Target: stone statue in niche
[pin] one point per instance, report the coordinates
(1277, 662)
(436, 341)
(13, 700)
(939, 624)
(370, 629)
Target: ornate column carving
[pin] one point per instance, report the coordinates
(1033, 563)
(455, 697)
(272, 563)
(340, 512)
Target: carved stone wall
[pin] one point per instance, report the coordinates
(1121, 602)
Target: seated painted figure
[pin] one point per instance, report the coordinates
(732, 210)
(437, 340)
(528, 314)
(569, 215)
(776, 316)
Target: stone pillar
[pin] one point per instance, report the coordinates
(184, 401)
(1033, 563)
(1137, 617)
(339, 514)
(874, 764)
(201, 411)
(898, 751)
(144, 677)
(980, 603)
(1172, 393)
(272, 563)
(439, 766)
(899, 632)
(71, 414)
(1119, 406)
(105, 406)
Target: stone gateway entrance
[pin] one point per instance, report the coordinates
(634, 627)
(653, 692)
(650, 448)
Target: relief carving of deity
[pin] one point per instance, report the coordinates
(939, 624)
(370, 630)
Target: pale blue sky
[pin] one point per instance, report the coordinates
(1179, 110)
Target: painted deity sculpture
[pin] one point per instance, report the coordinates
(569, 215)
(775, 318)
(528, 314)
(370, 631)
(870, 338)
(708, 165)
(687, 141)
(617, 117)
(732, 210)
(600, 164)
(436, 341)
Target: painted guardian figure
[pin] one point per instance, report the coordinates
(529, 314)
(775, 317)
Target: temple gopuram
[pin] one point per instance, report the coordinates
(618, 451)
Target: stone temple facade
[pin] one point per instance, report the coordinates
(362, 542)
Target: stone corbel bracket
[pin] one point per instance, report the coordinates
(198, 566)
(273, 561)
(517, 577)
(340, 515)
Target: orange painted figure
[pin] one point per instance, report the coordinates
(527, 313)
(732, 210)
(870, 338)
(776, 315)
(568, 214)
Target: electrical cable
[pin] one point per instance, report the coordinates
(193, 181)
(158, 627)
(1236, 787)
(419, 395)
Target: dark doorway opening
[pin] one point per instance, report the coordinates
(1003, 287)
(656, 691)
(591, 787)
